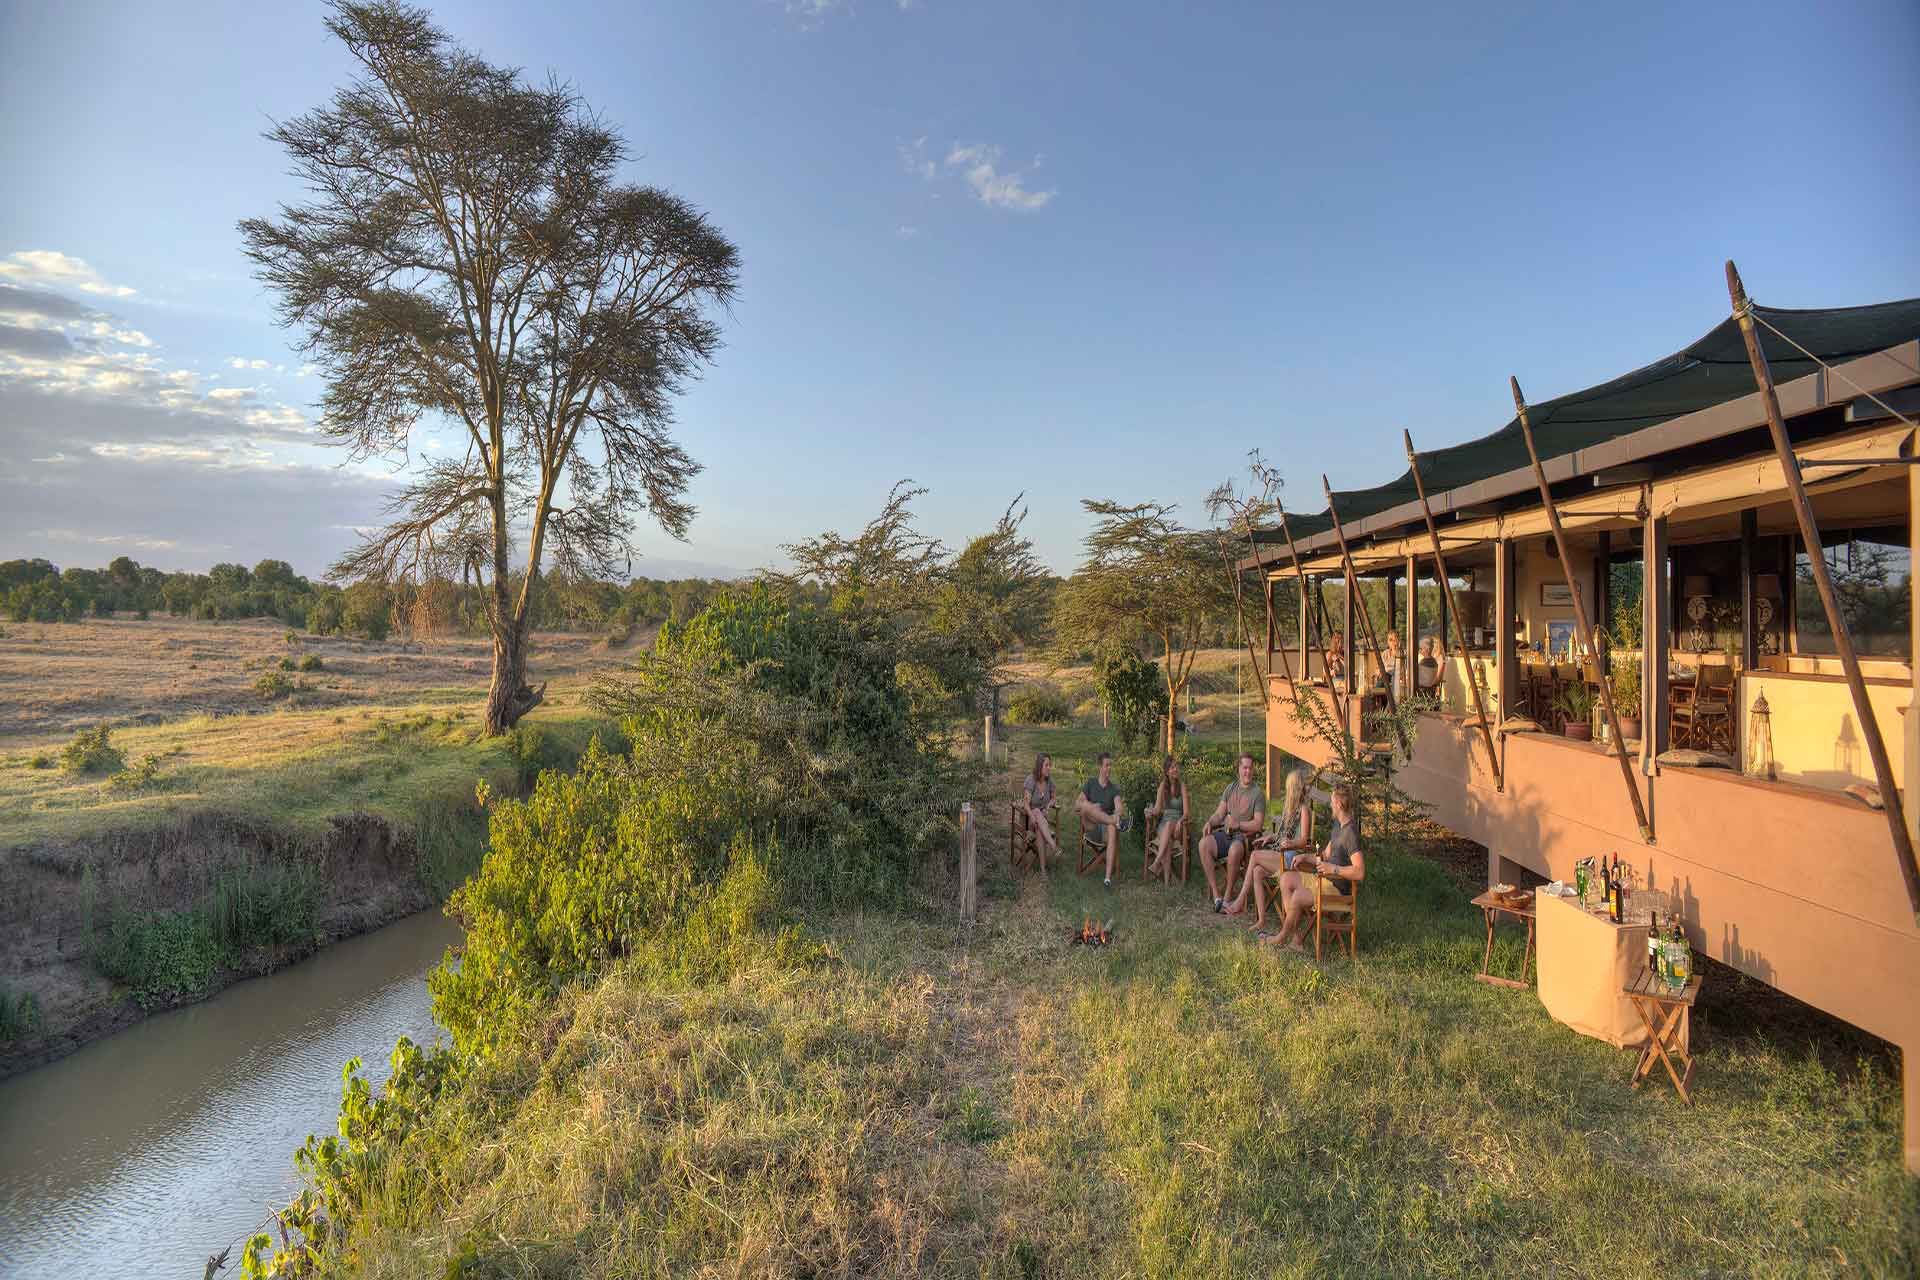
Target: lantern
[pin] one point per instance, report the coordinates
(1760, 740)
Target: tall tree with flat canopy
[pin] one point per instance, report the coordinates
(1145, 578)
(469, 258)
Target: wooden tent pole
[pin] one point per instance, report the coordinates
(1239, 611)
(1366, 618)
(1339, 703)
(1459, 632)
(1843, 641)
(1580, 615)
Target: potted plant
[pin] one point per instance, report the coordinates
(1576, 711)
(1625, 679)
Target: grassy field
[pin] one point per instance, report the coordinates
(353, 781)
(377, 728)
(996, 1102)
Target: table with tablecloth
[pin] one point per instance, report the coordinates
(1584, 963)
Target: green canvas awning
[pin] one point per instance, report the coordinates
(1708, 372)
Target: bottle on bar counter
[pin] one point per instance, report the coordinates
(1655, 946)
(1613, 890)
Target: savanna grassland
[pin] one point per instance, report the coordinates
(925, 1099)
(258, 792)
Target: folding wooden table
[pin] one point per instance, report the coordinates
(1491, 907)
(1668, 1014)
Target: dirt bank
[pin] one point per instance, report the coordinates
(368, 870)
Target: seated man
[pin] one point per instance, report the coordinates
(1236, 820)
(1341, 864)
(1103, 814)
(1272, 856)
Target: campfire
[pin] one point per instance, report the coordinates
(1090, 934)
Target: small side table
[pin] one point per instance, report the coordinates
(1668, 1015)
(1492, 908)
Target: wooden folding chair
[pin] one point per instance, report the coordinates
(1180, 847)
(1337, 916)
(1022, 840)
(1090, 851)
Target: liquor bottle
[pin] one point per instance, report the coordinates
(1613, 890)
(1653, 944)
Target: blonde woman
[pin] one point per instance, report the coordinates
(1296, 834)
(1171, 807)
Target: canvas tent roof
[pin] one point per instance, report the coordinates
(1710, 371)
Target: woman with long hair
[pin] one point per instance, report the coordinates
(1273, 860)
(1039, 791)
(1170, 806)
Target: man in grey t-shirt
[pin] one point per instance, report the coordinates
(1340, 866)
(1236, 820)
(1103, 814)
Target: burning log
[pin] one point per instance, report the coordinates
(1090, 934)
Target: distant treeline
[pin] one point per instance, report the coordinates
(40, 591)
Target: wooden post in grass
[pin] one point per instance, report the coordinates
(969, 869)
(1617, 744)
(1460, 632)
(1842, 640)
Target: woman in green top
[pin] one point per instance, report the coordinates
(1170, 806)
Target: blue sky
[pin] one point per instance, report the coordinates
(1073, 249)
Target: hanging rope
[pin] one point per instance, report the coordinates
(1762, 321)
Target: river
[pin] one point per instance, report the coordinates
(143, 1153)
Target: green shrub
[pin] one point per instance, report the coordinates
(163, 956)
(144, 773)
(1038, 704)
(274, 684)
(311, 662)
(42, 760)
(91, 751)
(263, 906)
(286, 664)
(1134, 695)
(532, 751)
(293, 639)
(19, 1014)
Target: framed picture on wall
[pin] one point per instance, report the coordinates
(1556, 595)
(1560, 635)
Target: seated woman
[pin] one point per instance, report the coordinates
(1039, 789)
(1427, 670)
(1341, 865)
(1273, 859)
(1336, 657)
(1170, 806)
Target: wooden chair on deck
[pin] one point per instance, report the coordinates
(1682, 688)
(1711, 717)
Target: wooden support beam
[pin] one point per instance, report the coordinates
(1353, 591)
(1447, 610)
(1339, 702)
(1656, 641)
(1503, 617)
(1749, 650)
(1903, 844)
(1616, 744)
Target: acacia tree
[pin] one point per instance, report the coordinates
(949, 620)
(468, 257)
(1145, 578)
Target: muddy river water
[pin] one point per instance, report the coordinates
(145, 1152)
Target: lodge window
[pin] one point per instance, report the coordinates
(1872, 574)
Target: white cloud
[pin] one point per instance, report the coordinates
(978, 164)
(47, 266)
(125, 337)
(231, 393)
(914, 158)
(110, 539)
(906, 232)
(306, 371)
(241, 362)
